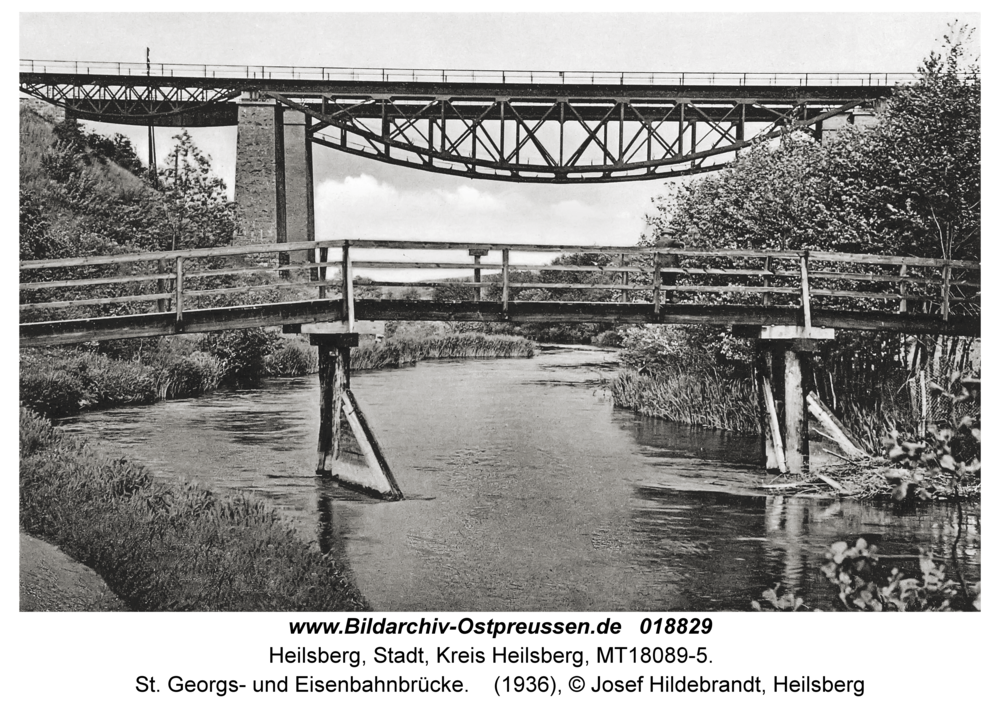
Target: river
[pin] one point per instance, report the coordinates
(526, 490)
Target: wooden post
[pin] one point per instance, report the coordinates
(770, 434)
(796, 422)
(324, 253)
(477, 273)
(902, 290)
(847, 442)
(337, 405)
(945, 292)
(179, 293)
(624, 295)
(806, 306)
(767, 281)
(370, 445)
(506, 280)
(657, 278)
(347, 288)
(334, 369)
(161, 286)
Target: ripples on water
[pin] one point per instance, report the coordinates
(526, 490)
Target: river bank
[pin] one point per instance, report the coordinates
(162, 546)
(51, 581)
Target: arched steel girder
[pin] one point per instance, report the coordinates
(561, 140)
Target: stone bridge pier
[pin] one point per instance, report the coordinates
(274, 176)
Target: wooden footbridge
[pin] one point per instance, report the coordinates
(340, 282)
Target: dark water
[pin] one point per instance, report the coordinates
(527, 490)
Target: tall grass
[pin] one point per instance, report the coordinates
(704, 397)
(162, 547)
(407, 351)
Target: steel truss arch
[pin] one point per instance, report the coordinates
(544, 141)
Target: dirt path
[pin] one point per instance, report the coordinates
(52, 581)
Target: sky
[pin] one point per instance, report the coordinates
(361, 198)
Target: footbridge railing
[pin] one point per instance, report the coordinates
(146, 294)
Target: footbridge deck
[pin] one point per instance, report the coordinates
(65, 301)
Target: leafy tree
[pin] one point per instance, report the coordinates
(199, 212)
(908, 185)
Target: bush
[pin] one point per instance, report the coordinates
(704, 397)
(292, 358)
(242, 352)
(609, 339)
(193, 375)
(49, 391)
(113, 382)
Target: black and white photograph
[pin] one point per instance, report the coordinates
(648, 317)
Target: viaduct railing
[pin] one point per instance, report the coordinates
(465, 76)
(102, 297)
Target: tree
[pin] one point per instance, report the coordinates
(200, 213)
(908, 185)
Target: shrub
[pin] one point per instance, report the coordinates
(292, 358)
(242, 352)
(609, 339)
(703, 397)
(49, 391)
(113, 382)
(192, 375)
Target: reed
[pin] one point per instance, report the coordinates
(704, 397)
(162, 547)
(408, 351)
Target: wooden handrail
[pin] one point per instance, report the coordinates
(465, 246)
(918, 280)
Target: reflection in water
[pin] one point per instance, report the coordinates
(526, 490)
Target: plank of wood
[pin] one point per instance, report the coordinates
(313, 311)
(30, 286)
(889, 259)
(830, 482)
(374, 453)
(233, 251)
(94, 302)
(774, 429)
(834, 427)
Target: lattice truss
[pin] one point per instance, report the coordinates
(112, 100)
(553, 140)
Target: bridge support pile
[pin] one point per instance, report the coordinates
(784, 371)
(348, 450)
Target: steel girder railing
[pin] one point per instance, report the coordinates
(463, 76)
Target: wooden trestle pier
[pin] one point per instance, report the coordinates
(789, 301)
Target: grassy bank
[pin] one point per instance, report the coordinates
(702, 397)
(162, 547)
(59, 382)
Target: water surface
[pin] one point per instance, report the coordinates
(526, 490)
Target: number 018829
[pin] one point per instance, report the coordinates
(676, 625)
